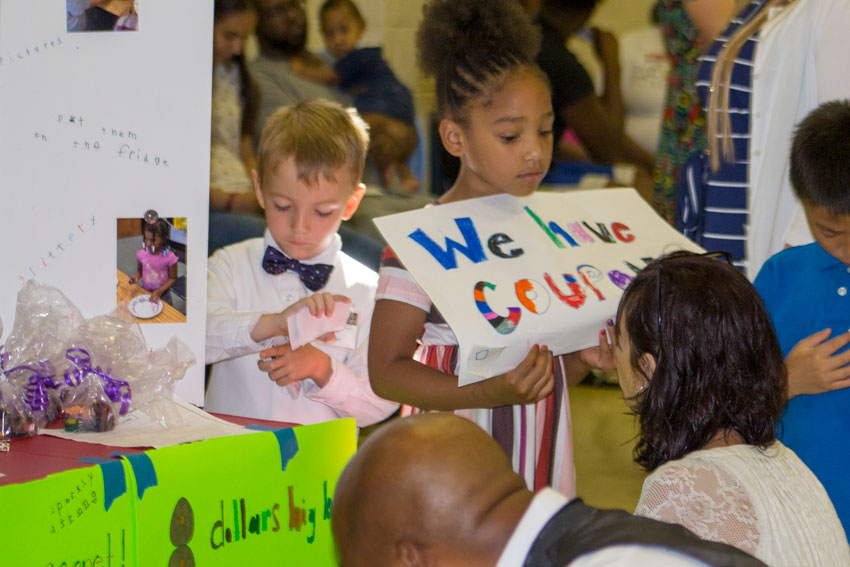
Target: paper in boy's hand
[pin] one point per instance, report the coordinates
(304, 328)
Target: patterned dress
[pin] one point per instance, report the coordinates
(536, 437)
(713, 204)
(683, 122)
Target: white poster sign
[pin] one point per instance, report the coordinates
(102, 119)
(508, 272)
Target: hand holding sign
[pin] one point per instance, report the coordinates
(531, 381)
(601, 357)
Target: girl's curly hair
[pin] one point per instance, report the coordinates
(467, 44)
(159, 227)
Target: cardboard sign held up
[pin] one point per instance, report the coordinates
(509, 272)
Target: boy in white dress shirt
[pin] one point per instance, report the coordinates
(311, 157)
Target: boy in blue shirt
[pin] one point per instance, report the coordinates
(805, 290)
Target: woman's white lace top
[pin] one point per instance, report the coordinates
(767, 503)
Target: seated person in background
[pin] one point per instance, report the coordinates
(435, 489)
(805, 291)
(311, 157)
(380, 98)
(596, 122)
(282, 41)
(701, 368)
(157, 264)
(235, 214)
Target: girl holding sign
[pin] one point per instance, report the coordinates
(497, 118)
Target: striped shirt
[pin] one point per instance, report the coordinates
(536, 437)
(713, 204)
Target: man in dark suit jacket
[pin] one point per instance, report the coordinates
(435, 489)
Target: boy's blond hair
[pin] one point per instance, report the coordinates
(321, 136)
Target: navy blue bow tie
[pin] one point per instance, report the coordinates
(313, 276)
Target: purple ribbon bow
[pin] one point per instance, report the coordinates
(35, 392)
(116, 390)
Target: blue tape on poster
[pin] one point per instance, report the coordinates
(288, 445)
(257, 427)
(114, 483)
(142, 469)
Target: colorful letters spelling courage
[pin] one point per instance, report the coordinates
(533, 295)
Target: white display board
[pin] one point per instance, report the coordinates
(508, 272)
(97, 126)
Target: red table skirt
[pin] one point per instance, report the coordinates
(36, 457)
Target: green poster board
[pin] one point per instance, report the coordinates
(242, 500)
(82, 517)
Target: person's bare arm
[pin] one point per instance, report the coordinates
(316, 73)
(135, 277)
(234, 202)
(172, 279)
(710, 17)
(634, 153)
(588, 119)
(246, 153)
(608, 49)
(394, 374)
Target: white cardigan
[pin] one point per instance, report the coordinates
(802, 60)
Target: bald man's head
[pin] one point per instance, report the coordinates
(431, 486)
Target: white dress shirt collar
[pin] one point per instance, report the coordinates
(544, 505)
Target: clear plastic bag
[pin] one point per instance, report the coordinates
(45, 322)
(88, 408)
(18, 419)
(117, 346)
(54, 358)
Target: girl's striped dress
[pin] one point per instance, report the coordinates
(712, 206)
(537, 437)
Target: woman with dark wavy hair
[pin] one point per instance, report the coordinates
(700, 366)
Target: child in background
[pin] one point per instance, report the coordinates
(805, 290)
(157, 264)
(380, 98)
(497, 118)
(311, 157)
